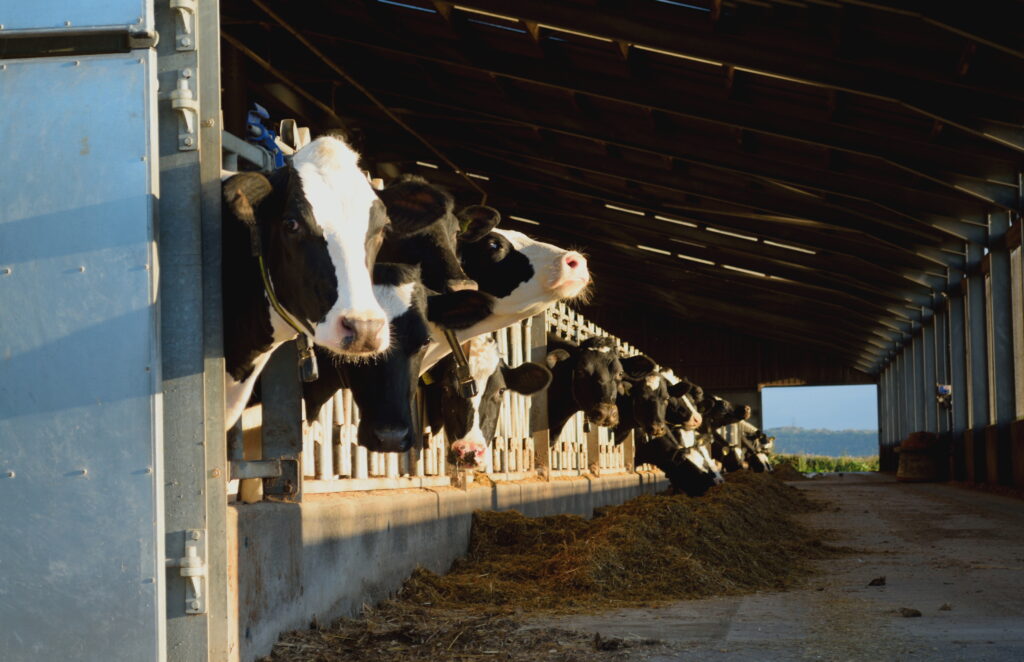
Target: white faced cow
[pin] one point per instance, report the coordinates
(318, 224)
(524, 275)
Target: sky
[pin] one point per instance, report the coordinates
(821, 407)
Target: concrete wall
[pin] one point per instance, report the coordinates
(291, 564)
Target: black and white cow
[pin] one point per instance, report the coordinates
(758, 446)
(584, 378)
(644, 398)
(435, 247)
(685, 463)
(470, 423)
(383, 385)
(318, 223)
(525, 276)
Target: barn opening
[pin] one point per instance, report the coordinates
(832, 421)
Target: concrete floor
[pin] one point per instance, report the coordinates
(935, 544)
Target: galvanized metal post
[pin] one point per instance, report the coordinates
(917, 394)
(193, 367)
(926, 384)
(1002, 319)
(977, 354)
(282, 421)
(1001, 349)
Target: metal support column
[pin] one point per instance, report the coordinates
(1001, 350)
(957, 352)
(977, 356)
(940, 328)
(193, 367)
(918, 393)
(926, 385)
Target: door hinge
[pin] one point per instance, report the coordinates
(184, 102)
(192, 568)
(184, 24)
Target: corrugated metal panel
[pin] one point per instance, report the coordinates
(82, 554)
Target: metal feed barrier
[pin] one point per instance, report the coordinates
(331, 460)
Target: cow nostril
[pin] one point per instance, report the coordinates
(575, 261)
(347, 325)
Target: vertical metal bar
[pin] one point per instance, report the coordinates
(195, 451)
(1002, 321)
(941, 359)
(957, 349)
(977, 355)
(926, 383)
(539, 408)
(282, 421)
(917, 380)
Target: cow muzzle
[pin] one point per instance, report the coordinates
(362, 335)
(657, 430)
(604, 414)
(392, 440)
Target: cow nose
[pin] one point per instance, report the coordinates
(459, 284)
(604, 414)
(575, 261)
(360, 334)
(393, 440)
(658, 430)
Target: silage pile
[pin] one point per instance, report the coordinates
(739, 537)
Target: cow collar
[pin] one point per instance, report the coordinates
(307, 359)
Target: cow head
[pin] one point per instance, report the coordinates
(434, 248)
(646, 393)
(525, 275)
(470, 423)
(320, 224)
(686, 464)
(383, 385)
(681, 410)
(596, 373)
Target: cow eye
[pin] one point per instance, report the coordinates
(291, 226)
(493, 244)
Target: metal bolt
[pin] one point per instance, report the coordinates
(195, 535)
(208, 123)
(142, 158)
(215, 473)
(146, 267)
(81, 269)
(6, 271)
(149, 470)
(185, 41)
(186, 73)
(83, 472)
(67, 23)
(188, 141)
(10, 474)
(78, 63)
(195, 604)
(138, 20)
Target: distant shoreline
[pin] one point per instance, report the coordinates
(832, 443)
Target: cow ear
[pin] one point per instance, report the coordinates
(679, 389)
(638, 367)
(475, 221)
(459, 310)
(413, 203)
(244, 192)
(555, 356)
(527, 378)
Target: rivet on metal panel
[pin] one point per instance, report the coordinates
(149, 470)
(67, 24)
(82, 472)
(78, 63)
(142, 158)
(195, 535)
(10, 474)
(81, 269)
(6, 271)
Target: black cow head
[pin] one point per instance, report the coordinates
(681, 410)
(383, 385)
(688, 469)
(595, 374)
(644, 395)
(434, 248)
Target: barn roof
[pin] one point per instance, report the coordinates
(802, 171)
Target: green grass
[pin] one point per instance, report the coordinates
(805, 463)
